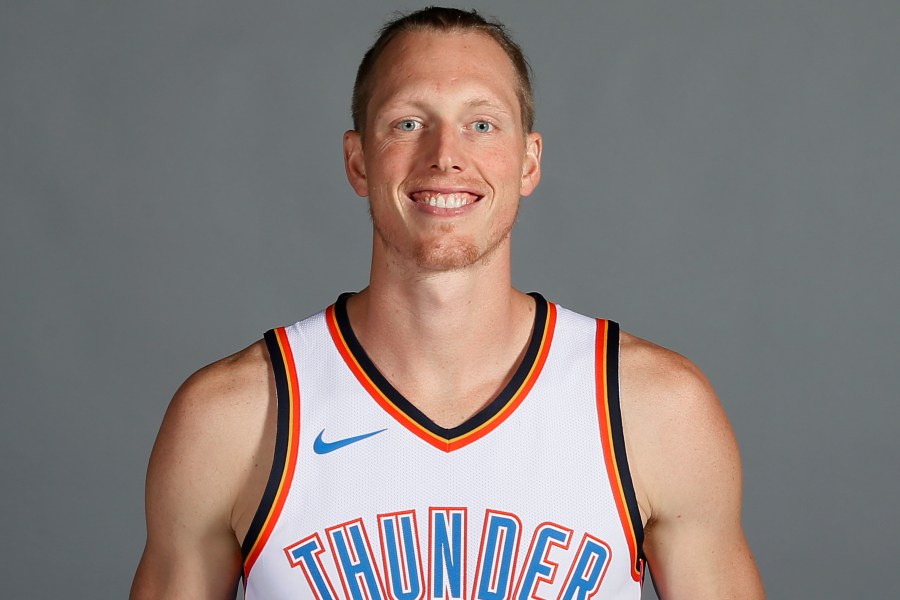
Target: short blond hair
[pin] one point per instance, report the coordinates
(436, 18)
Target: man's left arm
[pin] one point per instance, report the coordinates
(688, 479)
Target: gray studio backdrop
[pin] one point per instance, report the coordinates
(720, 177)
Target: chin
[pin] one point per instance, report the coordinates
(454, 255)
(444, 257)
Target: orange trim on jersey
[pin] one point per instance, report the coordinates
(441, 443)
(609, 453)
(290, 461)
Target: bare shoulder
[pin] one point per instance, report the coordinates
(686, 469)
(658, 373)
(224, 389)
(218, 404)
(677, 432)
(220, 424)
(206, 474)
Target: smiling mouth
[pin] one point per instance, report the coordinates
(448, 200)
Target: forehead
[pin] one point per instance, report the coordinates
(417, 62)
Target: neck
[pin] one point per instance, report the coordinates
(455, 307)
(449, 338)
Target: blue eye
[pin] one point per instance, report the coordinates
(482, 126)
(408, 125)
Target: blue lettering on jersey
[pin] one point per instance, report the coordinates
(496, 563)
(499, 574)
(403, 565)
(587, 570)
(538, 565)
(305, 554)
(355, 561)
(448, 552)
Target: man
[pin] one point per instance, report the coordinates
(440, 434)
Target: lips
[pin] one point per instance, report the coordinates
(444, 199)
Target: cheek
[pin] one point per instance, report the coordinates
(506, 159)
(507, 171)
(388, 162)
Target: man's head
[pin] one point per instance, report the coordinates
(442, 150)
(438, 19)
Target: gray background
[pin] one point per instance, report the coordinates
(720, 177)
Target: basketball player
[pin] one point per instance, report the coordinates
(441, 434)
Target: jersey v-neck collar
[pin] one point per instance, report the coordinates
(404, 412)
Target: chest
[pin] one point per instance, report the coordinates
(380, 500)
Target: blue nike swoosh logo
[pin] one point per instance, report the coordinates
(320, 446)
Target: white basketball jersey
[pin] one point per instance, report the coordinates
(369, 499)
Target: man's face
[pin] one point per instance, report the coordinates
(444, 159)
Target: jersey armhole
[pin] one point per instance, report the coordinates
(287, 436)
(613, 438)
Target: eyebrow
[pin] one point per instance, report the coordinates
(475, 102)
(481, 102)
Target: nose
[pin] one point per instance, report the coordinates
(446, 150)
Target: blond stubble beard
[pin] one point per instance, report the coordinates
(445, 253)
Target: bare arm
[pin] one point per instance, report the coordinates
(688, 479)
(205, 458)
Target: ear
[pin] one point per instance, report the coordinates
(354, 163)
(531, 168)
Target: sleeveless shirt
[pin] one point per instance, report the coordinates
(369, 499)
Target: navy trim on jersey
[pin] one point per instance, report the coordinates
(405, 406)
(281, 443)
(618, 436)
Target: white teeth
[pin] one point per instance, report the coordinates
(447, 200)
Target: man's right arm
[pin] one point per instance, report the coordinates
(206, 454)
